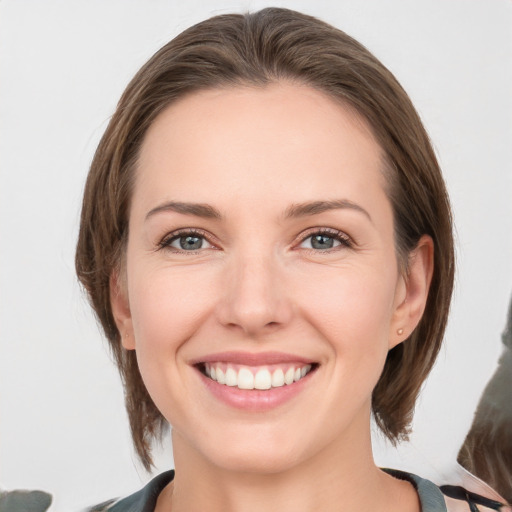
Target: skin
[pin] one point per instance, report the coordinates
(258, 285)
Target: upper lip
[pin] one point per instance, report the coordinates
(252, 358)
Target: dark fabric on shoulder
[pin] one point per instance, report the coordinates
(100, 507)
(459, 493)
(431, 497)
(141, 501)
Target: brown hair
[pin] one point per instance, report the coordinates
(257, 49)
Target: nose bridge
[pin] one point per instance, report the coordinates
(255, 298)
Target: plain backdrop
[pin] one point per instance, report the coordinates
(63, 66)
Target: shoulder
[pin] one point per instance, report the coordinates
(448, 498)
(143, 500)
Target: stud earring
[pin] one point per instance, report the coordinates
(400, 331)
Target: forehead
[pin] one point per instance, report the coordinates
(242, 139)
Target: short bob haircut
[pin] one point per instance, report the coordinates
(258, 49)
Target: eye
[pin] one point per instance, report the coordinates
(188, 243)
(185, 241)
(325, 240)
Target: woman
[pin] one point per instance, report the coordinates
(266, 239)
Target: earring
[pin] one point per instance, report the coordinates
(400, 331)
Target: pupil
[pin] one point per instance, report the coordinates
(191, 242)
(322, 242)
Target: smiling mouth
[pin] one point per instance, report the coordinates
(260, 377)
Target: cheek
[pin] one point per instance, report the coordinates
(167, 307)
(353, 309)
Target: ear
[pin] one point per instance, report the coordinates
(121, 309)
(412, 291)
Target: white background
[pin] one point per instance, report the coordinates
(64, 64)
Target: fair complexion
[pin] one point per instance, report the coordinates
(261, 240)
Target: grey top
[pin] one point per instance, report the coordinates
(431, 497)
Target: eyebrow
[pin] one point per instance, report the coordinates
(316, 207)
(294, 211)
(197, 209)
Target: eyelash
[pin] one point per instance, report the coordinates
(339, 236)
(166, 242)
(344, 240)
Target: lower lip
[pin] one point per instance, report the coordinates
(255, 400)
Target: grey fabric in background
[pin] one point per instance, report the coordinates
(487, 449)
(24, 501)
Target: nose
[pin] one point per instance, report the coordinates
(253, 297)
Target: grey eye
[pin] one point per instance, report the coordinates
(320, 241)
(188, 243)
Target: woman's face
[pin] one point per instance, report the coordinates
(261, 248)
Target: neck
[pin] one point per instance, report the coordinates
(338, 478)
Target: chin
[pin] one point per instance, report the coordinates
(257, 449)
(257, 460)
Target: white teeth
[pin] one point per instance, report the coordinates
(245, 379)
(221, 378)
(249, 378)
(231, 377)
(262, 380)
(288, 376)
(277, 378)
